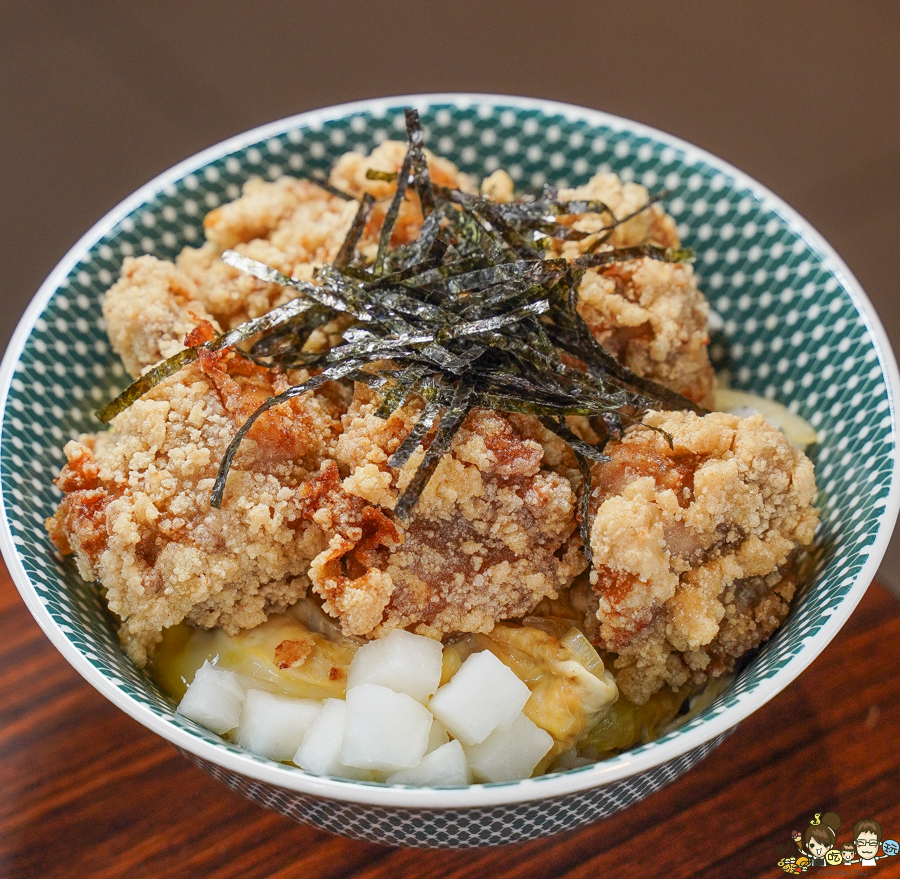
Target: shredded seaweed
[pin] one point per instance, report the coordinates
(451, 421)
(331, 190)
(348, 248)
(472, 314)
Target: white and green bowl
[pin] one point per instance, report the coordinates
(798, 326)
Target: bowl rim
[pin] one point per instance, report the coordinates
(479, 795)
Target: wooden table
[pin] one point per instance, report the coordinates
(87, 792)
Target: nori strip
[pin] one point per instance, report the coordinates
(451, 421)
(331, 190)
(162, 371)
(406, 383)
(638, 251)
(584, 507)
(416, 139)
(266, 273)
(417, 434)
(384, 176)
(356, 230)
(390, 218)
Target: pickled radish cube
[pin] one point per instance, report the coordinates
(214, 699)
(320, 751)
(402, 662)
(384, 730)
(437, 737)
(510, 754)
(482, 696)
(273, 726)
(447, 765)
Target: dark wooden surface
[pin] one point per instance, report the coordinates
(87, 792)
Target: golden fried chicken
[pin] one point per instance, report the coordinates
(488, 539)
(650, 316)
(149, 311)
(689, 543)
(136, 509)
(291, 224)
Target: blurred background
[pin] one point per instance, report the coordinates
(98, 97)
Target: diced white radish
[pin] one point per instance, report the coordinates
(384, 730)
(213, 699)
(273, 726)
(437, 737)
(482, 696)
(510, 754)
(320, 751)
(445, 766)
(402, 662)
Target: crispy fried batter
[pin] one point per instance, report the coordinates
(489, 537)
(688, 543)
(136, 510)
(149, 310)
(293, 225)
(293, 653)
(650, 316)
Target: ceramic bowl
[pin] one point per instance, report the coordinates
(797, 325)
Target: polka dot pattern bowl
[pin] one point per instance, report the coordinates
(797, 328)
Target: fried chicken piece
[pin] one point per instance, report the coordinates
(650, 226)
(489, 537)
(650, 316)
(136, 510)
(152, 306)
(689, 543)
(149, 310)
(291, 224)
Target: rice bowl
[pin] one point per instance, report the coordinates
(855, 527)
